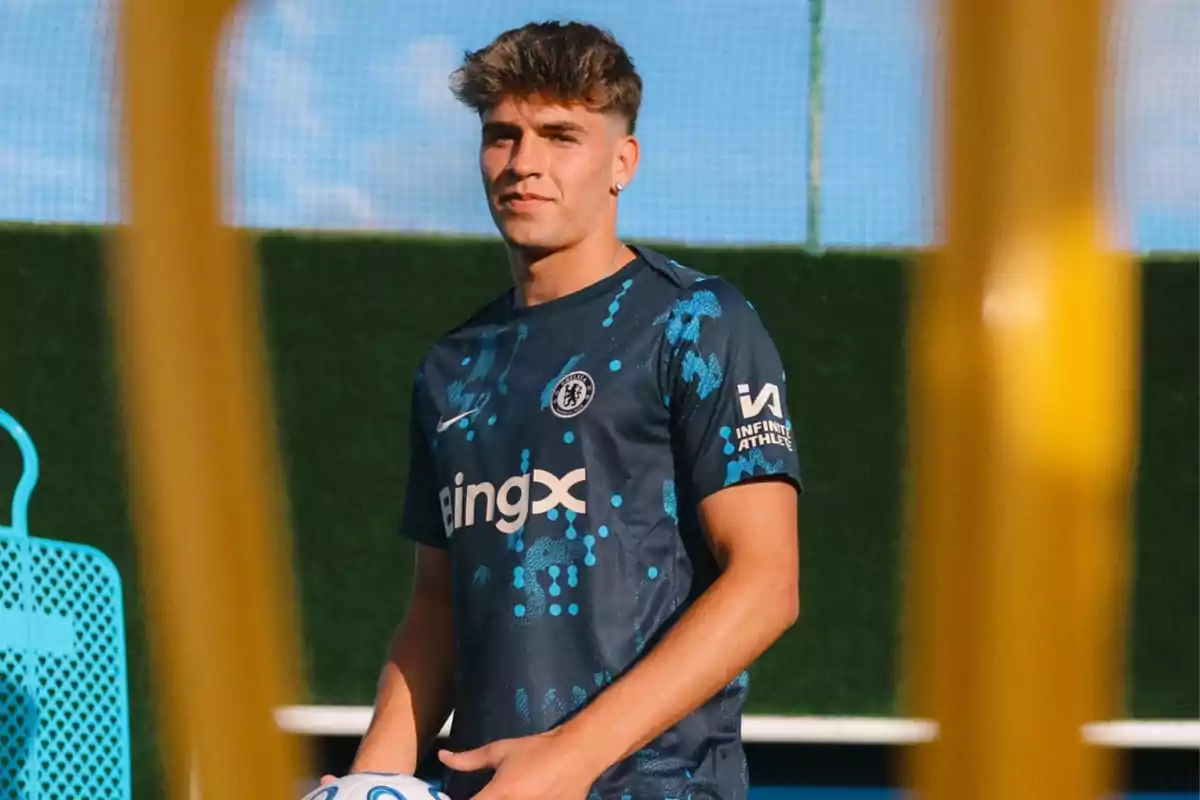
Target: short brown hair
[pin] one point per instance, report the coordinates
(570, 63)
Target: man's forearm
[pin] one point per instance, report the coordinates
(729, 626)
(414, 695)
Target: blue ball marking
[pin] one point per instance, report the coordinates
(520, 546)
(652, 573)
(470, 436)
(725, 432)
(519, 610)
(617, 500)
(466, 360)
(569, 437)
(525, 454)
(555, 610)
(552, 514)
(627, 283)
(519, 578)
(608, 321)
(572, 576)
(555, 590)
(554, 571)
(464, 422)
(573, 609)
(381, 792)
(603, 531)
(589, 542)
(571, 534)
(615, 365)
(570, 515)
(614, 307)
(492, 419)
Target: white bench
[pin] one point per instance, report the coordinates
(1173, 734)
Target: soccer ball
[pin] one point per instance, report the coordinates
(376, 786)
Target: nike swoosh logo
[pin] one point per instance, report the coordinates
(444, 424)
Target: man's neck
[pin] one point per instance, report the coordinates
(542, 277)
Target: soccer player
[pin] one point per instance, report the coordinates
(603, 478)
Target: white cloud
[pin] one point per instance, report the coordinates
(20, 6)
(1157, 104)
(908, 22)
(277, 88)
(101, 16)
(404, 184)
(297, 18)
(419, 76)
(297, 174)
(272, 78)
(340, 206)
(28, 167)
(277, 127)
(427, 184)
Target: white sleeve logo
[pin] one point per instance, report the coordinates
(767, 398)
(763, 433)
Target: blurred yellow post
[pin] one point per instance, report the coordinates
(1023, 401)
(206, 482)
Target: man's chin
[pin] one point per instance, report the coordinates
(526, 238)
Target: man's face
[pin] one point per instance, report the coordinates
(549, 171)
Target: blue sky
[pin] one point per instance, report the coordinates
(342, 119)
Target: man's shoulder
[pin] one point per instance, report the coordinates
(687, 282)
(679, 276)
(488, 316)
(692, 294)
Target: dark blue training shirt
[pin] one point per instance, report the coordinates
(559, 452)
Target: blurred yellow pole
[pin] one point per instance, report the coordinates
(207, 489)
(1023, 400)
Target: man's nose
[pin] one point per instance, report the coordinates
(528, 157)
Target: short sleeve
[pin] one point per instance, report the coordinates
(727, 392)
(422, 518)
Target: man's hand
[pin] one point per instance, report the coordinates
(543, 767)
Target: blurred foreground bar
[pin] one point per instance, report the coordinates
(206, 482)
(1023, 400)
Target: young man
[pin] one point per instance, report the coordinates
(603, 482)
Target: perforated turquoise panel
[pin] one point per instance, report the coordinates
(64, 706)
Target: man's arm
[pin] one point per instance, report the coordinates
(752, 532)
(415, 688)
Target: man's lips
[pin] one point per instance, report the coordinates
(522, 201)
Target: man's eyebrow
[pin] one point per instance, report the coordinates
(496, 128)
(500, 127)
(562, 126)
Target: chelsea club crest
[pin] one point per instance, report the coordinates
(572, 394)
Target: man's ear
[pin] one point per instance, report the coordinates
(625, 160)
